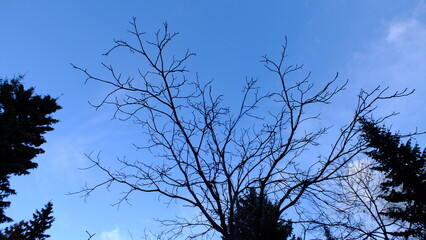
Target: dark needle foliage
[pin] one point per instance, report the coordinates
(24, 118)
(257, 218)
(404, 167)
(33, 229)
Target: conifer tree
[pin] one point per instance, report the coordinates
(257, 218)
(404, 167)
(24, 118)
(33, 229)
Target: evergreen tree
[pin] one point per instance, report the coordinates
(257, 218)
(33, 229)
(24, 118)
(404, 167)
(42, 220)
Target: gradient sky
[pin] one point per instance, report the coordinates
(375, 42)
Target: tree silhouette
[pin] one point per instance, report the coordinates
(381, 198)
(352, 208)
(207, 155)
(33, 229)
(24, 118)
(404, 186)
(257, 218)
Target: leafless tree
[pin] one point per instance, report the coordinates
(207, 154)
(351, 206)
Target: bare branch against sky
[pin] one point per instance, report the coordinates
(206, 155)
(220, 125)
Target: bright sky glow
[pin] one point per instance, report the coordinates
(370, 43)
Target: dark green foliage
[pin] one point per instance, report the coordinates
(404, 167)
(257, 218)
(24, 118)
(33, 229)
(41, 222)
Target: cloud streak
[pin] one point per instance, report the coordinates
(111, 235)
(397, 59)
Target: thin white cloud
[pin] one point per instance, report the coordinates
(398, 60)
(399, 31)
(111, 235)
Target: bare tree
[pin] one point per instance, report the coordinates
(207, 154)
(351, 205)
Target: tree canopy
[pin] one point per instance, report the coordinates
(24, 118)
(258, 218)
(404, 167)
(33, 229)
(207, 155)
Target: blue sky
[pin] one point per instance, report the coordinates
(371, 43)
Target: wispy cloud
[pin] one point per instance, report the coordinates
(400, 32)
(396, 59)
(111, 235)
